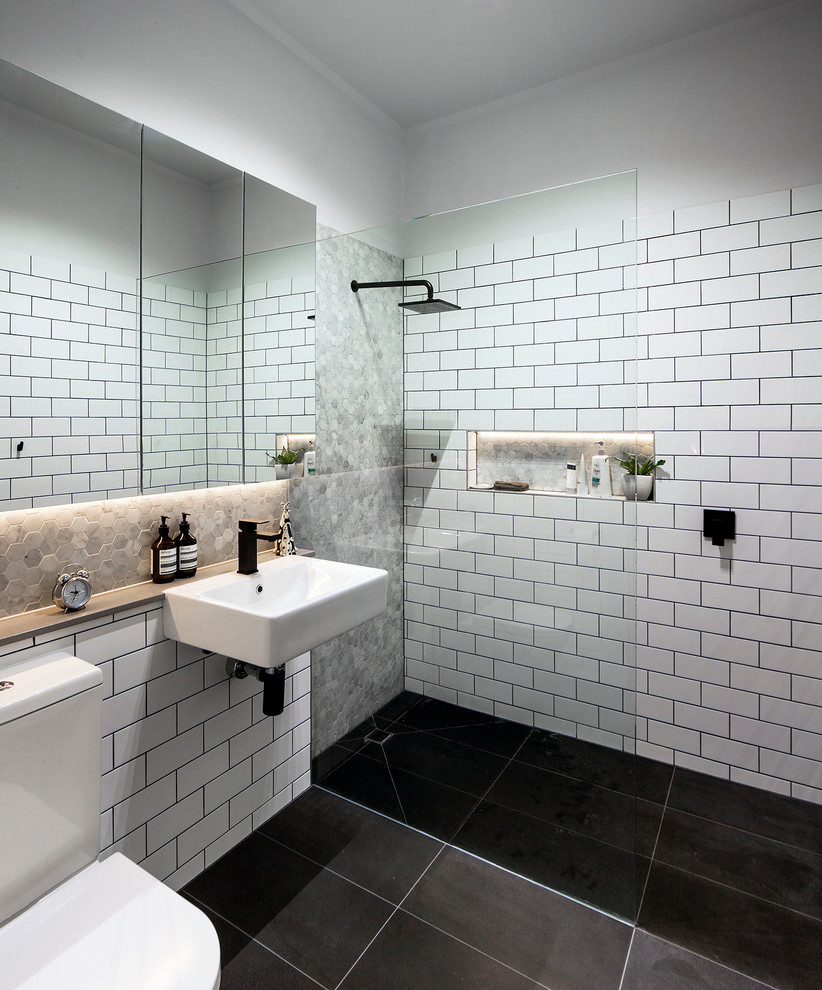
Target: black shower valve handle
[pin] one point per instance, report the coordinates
(719, 525)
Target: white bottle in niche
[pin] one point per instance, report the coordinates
(601, 473)
(582, 485)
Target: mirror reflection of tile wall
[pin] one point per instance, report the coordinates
(82, 422)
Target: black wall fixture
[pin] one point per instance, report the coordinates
(719, 525)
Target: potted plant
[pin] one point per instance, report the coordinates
(639, 481)
(286, 465)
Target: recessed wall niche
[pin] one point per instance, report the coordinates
(540, 459)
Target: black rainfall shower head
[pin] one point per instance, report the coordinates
(427, 305)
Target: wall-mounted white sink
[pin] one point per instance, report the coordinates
(291, 605)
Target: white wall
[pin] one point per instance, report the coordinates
(735, 116)
(66, 196)
(200, 71)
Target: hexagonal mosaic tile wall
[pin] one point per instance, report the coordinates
(112, 539)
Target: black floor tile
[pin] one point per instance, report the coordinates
(590, 871)
(433, 715)
(245, 963)
(609, 768)
(502, 738)
(409, 955)
(657, 965)
(368, 783)
(799, 823)
(397, 707)
(314, 919)
(535, 931)
(464, 767)
(754, 937)
(771, 870)
(417, 801)
(579, 806)
(380, 855)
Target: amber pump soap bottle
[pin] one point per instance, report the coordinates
(186, 549)
(163, 556)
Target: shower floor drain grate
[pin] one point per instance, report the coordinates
(379, 736)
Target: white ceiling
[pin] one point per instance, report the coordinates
(421, 60)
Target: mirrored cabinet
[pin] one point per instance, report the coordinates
(154, 307)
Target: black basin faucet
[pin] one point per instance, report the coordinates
(247, 544)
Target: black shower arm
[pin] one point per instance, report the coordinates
(355, 286)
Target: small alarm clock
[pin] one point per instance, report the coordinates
(72, 591)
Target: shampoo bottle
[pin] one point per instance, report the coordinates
(163, 556)
(601, 473)
(186, 549)
(310, 462)
(571, 477)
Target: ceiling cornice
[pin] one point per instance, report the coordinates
(252, 11)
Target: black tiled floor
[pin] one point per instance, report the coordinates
(438, 753)
(773, 871)
(376, 853)
(309, 916)
(578, 806)
(574, 864)
(464, 767)
(755, 937)
(418, 801)
(500, 914)
(353, 900)
(245, 963)
(772, 816)
(409, 955)
(657, 965)
(609, 768)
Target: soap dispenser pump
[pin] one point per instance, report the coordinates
(163, 556)
(601, 473)
(186, 546)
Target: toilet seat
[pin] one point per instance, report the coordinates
(112, 926)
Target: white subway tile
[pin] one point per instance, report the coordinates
(699, 217)
(806, 198)
(675, 246)
(761, 207)
(732, 238)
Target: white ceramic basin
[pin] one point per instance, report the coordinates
(291, 605)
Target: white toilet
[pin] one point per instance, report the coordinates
(68, 921)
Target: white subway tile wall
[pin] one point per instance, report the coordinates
(279, 367)
(224, 389)
(523, 604)
(68, 357)
(190, 763)
(175, 454)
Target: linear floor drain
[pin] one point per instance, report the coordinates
(378, 736)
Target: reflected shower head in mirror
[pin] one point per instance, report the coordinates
(427, 305)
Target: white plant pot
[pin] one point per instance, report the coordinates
(285, 472)
(637, 487)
